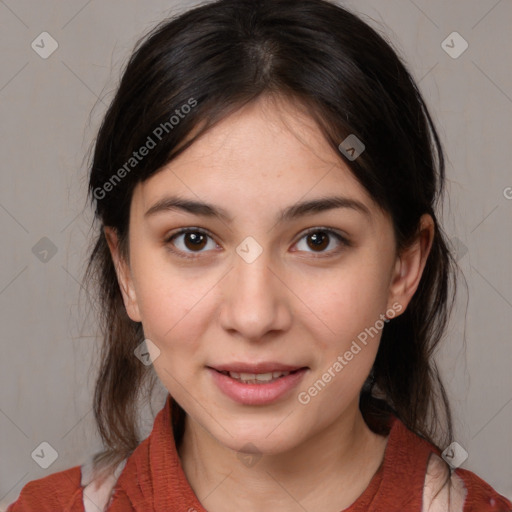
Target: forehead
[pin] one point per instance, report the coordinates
(266, 156)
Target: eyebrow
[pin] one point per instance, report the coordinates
(291, 212)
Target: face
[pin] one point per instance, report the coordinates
(259, 282)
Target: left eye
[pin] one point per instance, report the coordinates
(320, 238)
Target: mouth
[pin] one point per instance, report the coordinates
(257, 387)
(258, 378)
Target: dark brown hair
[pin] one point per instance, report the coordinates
(344, 75)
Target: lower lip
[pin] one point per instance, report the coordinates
(256, 394)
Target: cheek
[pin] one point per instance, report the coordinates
(172, 312)
(349, 301)
(346, 344)
(174, 303)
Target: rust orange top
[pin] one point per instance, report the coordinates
(153, 480)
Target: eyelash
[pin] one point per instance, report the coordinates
(168, 241)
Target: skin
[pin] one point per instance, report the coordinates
(296, 304)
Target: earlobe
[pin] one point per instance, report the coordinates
(123, 273)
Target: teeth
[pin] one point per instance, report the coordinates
(255, 378)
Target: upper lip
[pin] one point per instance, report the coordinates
(263, 367)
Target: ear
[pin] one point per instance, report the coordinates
(124, 277)
(410, 264)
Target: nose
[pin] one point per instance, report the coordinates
(255, 299)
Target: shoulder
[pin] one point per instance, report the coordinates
(72, 490)
(481, 496)
(459, 490)
(58, 491)
(432, 484)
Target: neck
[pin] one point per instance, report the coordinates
(328, 471)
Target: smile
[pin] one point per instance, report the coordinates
(256, 378)
(256, 388)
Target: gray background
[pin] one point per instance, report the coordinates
(50, 109)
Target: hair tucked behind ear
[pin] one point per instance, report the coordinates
(217, 58)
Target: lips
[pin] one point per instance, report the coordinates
(257, 388)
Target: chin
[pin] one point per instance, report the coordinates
(259, 441)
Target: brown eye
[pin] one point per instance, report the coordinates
(188, 241)
(320, 239)
(194, 240)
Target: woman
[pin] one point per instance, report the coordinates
(265, 181)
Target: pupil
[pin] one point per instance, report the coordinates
(319, 239)
(195, 238)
